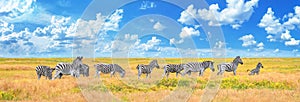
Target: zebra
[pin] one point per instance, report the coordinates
(45, 71)
(172, 68)
(109, 68)
(68, 68)
(229, 67)
(84, 70)
(256, 70)
(146, 69)
(198, 67)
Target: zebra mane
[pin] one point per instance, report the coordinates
(119, 68)
(235, 59)
(153, 62)
(207, 65)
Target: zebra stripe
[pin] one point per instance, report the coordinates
(256, 70)
(173, 68)
(229, 67)
(146, 69)
(198, 67)
(109, 68)
(44, 71)
(84, 70)
(69, 68)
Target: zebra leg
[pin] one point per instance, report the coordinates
(176, 74)
(168, 75)
(56, 75)
(39, 76)
(190, 73)
(112, 73)
(234, 72)
(139, 75)
(257, 73)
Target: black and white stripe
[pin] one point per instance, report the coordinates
(44, 71)
(256, 70)
(109, 68)
(146, 69)
(198, 67)
(229, 67)
(84, 70)
(68, 68)
(173, 68)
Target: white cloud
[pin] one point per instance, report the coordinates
(16, 8)
(113, 20)
(248, 40)
(276, 51)
(150, 44)
(270, 23)
(220, 44)
(260, 46)
(158, 26)
(271, 38)
(286, 35)
(188, 31)
(174, 41)
(292, 42)
(188, 15)
(295, 51)
(235, 13)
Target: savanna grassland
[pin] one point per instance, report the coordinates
(279, 80)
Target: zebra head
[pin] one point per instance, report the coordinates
(122, 74)
(154, 64)
(48, 72)
(238, 60)
(259, 65)
(211, 66)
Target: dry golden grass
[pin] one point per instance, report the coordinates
(279, 80)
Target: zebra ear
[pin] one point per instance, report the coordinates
(238, 57)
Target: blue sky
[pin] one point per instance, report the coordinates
(150, 28)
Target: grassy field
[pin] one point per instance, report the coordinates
(279, 81)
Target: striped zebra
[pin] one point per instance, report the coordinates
(198, 67)
(109, 68)
(84, 70)
(146, 69)
(256, 70)
(68, 68)
(44, 71)
(229, 67)
(173, 68)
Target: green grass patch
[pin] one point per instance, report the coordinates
(236, 83)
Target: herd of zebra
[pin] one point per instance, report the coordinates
(77, 67)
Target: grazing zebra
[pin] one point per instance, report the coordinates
(69, 68)
(45, 71)
(229, 67)
(84, 70)
(109, 68)
(198, 67)
(146, 69)
(256, 70)
(172, 68)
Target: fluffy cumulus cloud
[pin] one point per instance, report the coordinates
(276, 51)
(249, 41)
(292, 42)
(188, 31)
(150, 44)
(58, 36)
(14, 8)
(158, 26)
(235, 13)
(274, 27)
